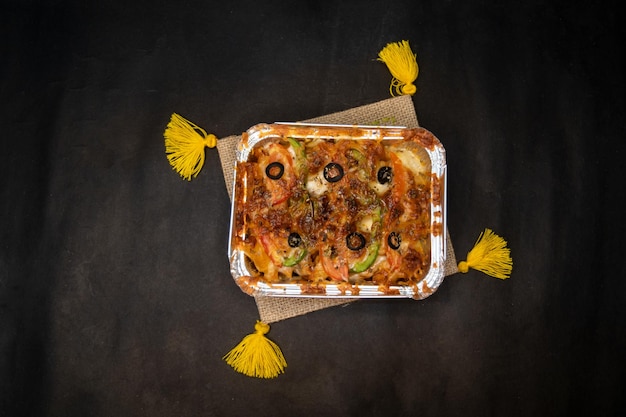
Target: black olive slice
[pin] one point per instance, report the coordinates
(333, 172)
(275, 170)
(384, 175)
(355, 241)
(294, 240)
(394, 240)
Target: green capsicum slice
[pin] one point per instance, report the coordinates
(300, 152)
(372, 250)
(295, 258)
(372, 253)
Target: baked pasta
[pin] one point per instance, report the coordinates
(315, 211)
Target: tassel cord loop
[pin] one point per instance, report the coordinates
(402, 64)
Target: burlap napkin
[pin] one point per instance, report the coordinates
(397, 111)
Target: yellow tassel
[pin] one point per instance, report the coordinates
(184, 146)
(402, 64)
(256, 355)
(489, 255)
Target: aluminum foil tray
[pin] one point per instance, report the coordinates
(338, 211)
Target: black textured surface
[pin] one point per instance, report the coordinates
(115, 293)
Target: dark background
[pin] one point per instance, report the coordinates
(115, 293)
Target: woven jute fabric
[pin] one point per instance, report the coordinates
(397, 111)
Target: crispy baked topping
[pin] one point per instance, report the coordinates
(356, 212)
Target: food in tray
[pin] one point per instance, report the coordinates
(317, 211)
